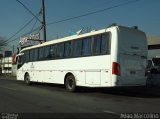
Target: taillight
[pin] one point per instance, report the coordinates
(115, 68)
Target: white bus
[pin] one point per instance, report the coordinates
(115, 56)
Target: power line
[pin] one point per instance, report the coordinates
(34, 16)
(38, 28)
(21, 29)
(83, 15)
(34, 25)
(90, 13)
(29, 10)
(108, 2)
(43, 14)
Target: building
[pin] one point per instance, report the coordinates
(153, 46)
(6, 65)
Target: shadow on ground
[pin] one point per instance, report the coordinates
(141, 92)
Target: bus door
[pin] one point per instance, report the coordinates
(35, 73)
(20, 63)
(32, 75)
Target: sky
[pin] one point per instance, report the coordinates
(142, 13)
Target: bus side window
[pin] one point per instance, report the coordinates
(21, 61)
(40, 54)
(86, 50)
(96, 45)
(105, 43)
(35, 57)
(67, 49)
(26, 55)
(60, 50)
(47, 52)
(53, 51)
(77, 48)
(23, 58)
(31, 55)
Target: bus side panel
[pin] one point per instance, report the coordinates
(93, 77)
(86, 70)
(79, 77)
(20, 75)
(21, 71)
(106, 78)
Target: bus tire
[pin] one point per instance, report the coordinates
(70, 83)
(27, 79)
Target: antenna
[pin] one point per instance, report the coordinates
(80, 31)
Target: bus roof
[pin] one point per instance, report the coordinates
(68, 38)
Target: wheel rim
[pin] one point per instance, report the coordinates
(27, 79)
(70, 84)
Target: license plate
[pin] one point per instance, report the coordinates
(133, 72)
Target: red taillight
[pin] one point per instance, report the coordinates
(115, 68)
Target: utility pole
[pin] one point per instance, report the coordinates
(44, 21)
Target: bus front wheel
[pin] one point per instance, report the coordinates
(27, 79)
(70, 83)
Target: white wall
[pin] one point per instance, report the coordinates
(6, 63)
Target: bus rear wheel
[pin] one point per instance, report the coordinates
(27, 79)
(70, 83)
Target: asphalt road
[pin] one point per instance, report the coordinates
(54, 101)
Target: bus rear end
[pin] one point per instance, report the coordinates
(128, 68)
